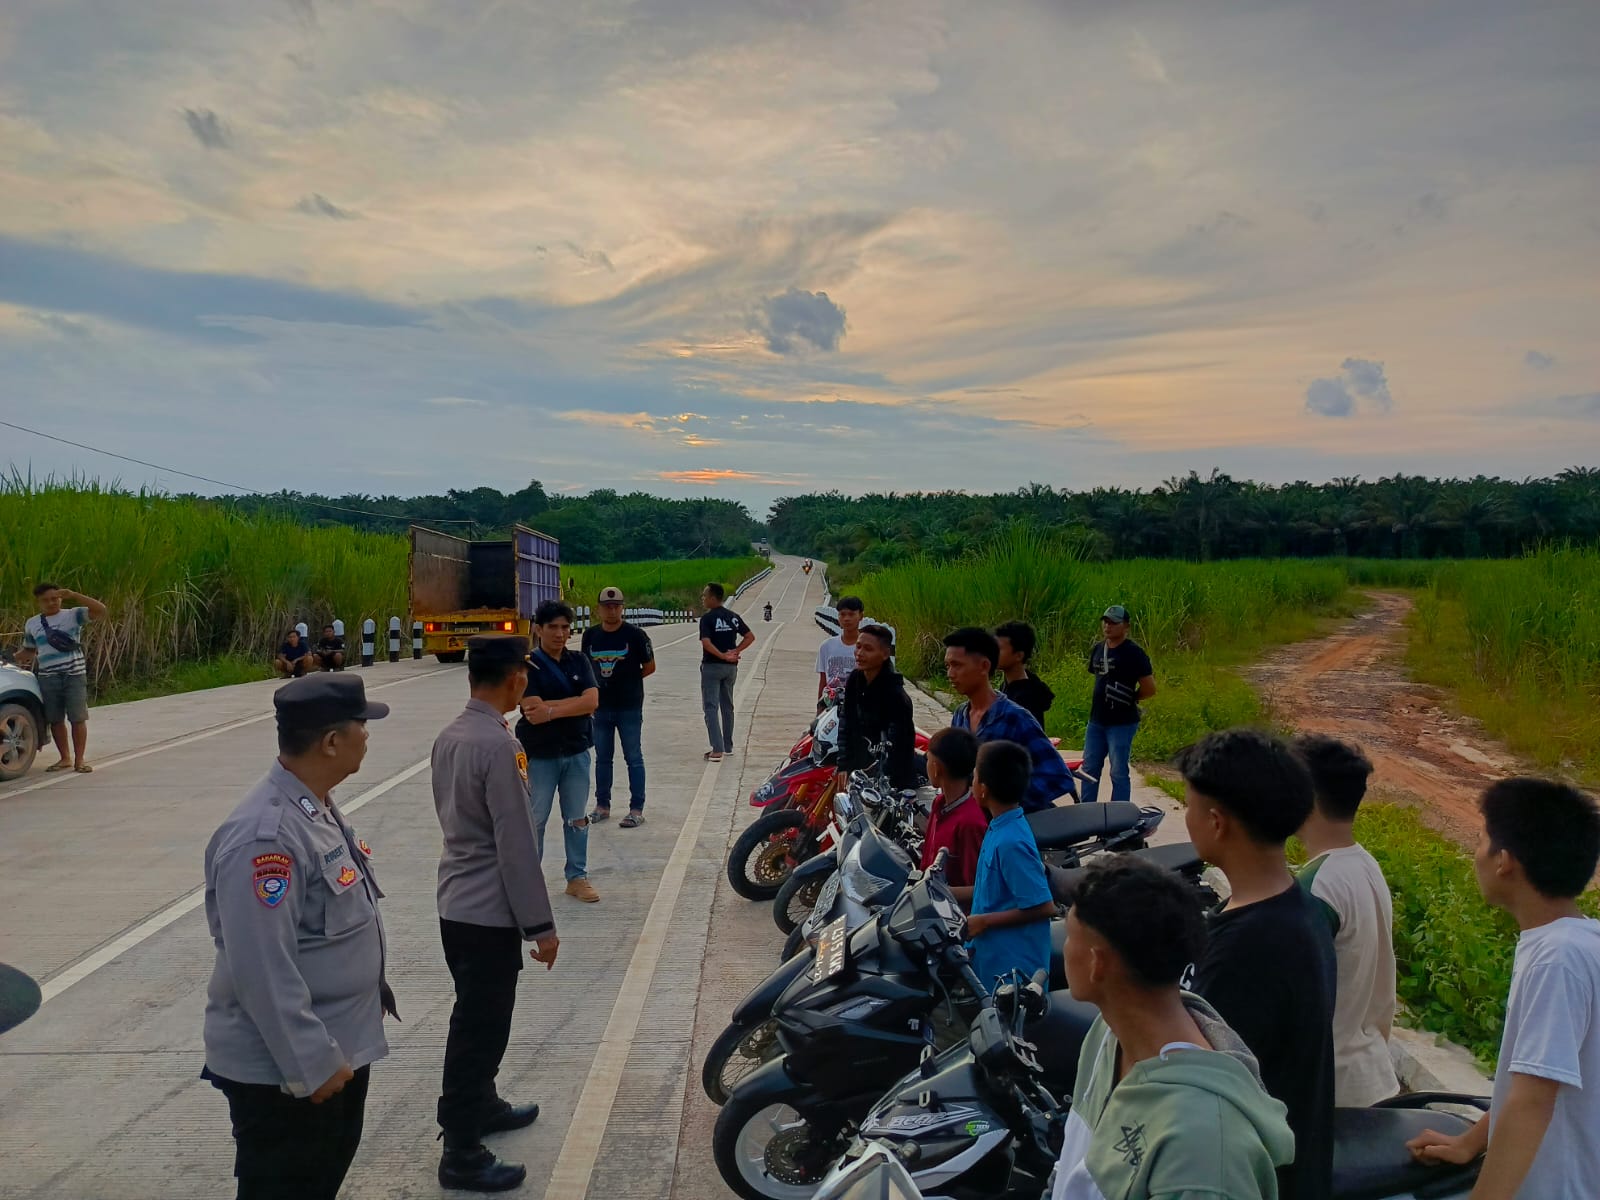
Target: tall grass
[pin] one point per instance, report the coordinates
(1518, 643)
(1195, 620)
(660, 583)
(185, 580)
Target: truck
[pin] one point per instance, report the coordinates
(460, 588)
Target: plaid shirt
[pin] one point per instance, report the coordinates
(1008, 721)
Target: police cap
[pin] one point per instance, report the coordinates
(323, 701)
(496, 649)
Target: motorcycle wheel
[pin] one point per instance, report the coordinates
(795, 943)
(795, 900)
(764, 1151)
(738, 1050)
(765, 854)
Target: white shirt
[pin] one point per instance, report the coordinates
(1349, 881)
(1553, 1032)
(835, 660)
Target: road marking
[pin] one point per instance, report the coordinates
(188, 902)
(581, 1147)
(190, 739)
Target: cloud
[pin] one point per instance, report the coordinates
(1337, 397)
(709, 477)
(1582, 406)
(208, 128)
(457, 402)
(800, 316)
(1538, 360)
(318, 205)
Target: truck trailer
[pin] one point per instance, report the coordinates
(460, 588)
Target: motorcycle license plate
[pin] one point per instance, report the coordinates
(830, 951)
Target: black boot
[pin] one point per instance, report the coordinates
(476, 1169)
(511, 1116)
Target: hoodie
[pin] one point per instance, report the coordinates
(1191, 1124)
(871, 711)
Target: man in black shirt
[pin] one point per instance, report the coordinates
(330, 650)
(556, 731)
(1269, 967)
(723, 637)
(623, 659)
(1017, 641)
(876, 708)
(1122, 678)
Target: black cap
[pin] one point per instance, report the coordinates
(19, 997)
(496, 649)
(322, 701)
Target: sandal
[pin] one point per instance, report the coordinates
(60, 766)
(633, 820)
(712, 756)
(599, 815)
(84, 769)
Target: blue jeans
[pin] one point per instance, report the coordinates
(629, 722)
(570, 777)
(1101, 740)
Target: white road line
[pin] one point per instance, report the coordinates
(188, 902)
(581, 1147)
(192, 738)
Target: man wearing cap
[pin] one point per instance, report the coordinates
(1122, 677)
(492, 899)
(294, 1010)
(623, 659)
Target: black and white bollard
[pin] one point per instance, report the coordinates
(416, 639)
(369, 637)
(394, 639)
(305, 633)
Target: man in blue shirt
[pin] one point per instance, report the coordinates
(1011, 902)
(970, 656)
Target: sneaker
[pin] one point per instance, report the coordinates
(581, 889)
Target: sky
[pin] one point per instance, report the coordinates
(749, 248)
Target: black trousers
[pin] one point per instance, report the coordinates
(284, 1147)
(484, 962)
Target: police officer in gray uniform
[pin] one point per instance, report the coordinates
(294, 1011)
(492, 899)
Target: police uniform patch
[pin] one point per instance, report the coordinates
(522, 765)
(364, 848)
(347, 877)
(308, 806)
(272, 873)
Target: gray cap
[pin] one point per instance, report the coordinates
(1115, 613)
(19, 997)
(495, 649)
(324, 700)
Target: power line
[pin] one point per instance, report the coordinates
(238, 487)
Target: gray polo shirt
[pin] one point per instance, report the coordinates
(489, 872)
(292, 905)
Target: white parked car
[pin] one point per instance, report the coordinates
(22, 729)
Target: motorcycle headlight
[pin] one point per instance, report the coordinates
(869, 798)
(860, 884)
(857, 1009)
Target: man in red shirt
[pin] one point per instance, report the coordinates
(957, 822)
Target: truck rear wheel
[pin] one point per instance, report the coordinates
(452, 656)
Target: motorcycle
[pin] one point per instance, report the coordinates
(982, 1120)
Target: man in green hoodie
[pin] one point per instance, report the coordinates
(1169, 1103)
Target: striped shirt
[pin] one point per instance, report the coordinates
(51, 661)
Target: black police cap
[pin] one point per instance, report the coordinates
(497, 649)
(325, 700)
(19, 997)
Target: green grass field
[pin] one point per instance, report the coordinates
(660, 583)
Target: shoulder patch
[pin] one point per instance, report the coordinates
(272, 875)
(308, 806)
(522, 764)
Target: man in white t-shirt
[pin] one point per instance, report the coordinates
(836, 657)
(52, 643)
(1351, 892)
(1537, 853)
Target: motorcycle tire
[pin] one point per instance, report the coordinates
(738, 1050)
(794, 944)
(795, 900)
(741, 1126)
(765, 854)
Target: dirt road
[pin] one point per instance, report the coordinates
(1353, 684)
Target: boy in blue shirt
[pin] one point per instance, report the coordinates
(1011, 902)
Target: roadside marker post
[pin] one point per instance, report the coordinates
(369, 635)
(416, 639)
(394, 639)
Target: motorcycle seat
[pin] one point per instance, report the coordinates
(1058, 1037)
(1370, 1159)
(1058, 955)
(1067, 825)
(1176, 856)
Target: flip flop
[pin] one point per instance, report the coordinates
(712, 756)
(632, 821)
(54, 767)
(599, 815)
(83, 769)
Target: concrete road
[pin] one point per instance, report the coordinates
(100, 899)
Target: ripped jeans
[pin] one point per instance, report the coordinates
(569, 776)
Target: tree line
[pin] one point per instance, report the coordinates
(1204, 517)
(599, 527)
